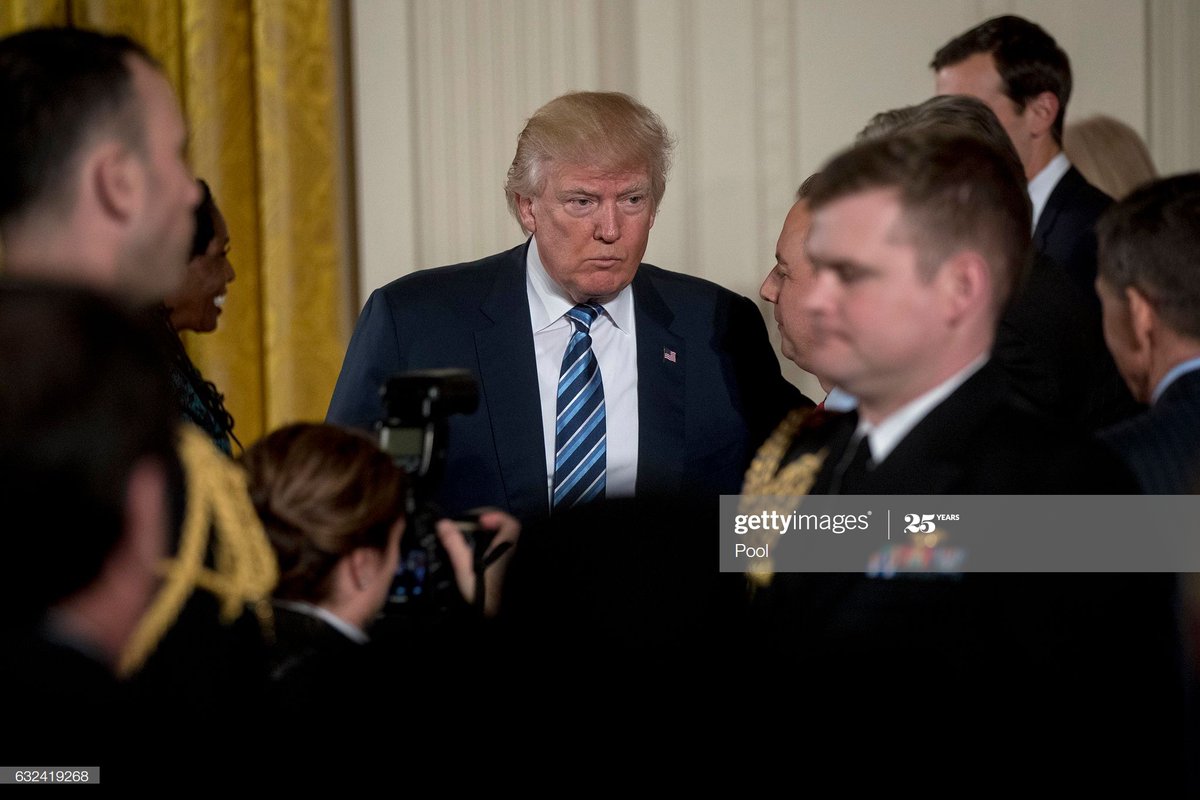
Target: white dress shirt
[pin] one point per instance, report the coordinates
(1042, 185)
(614, 343)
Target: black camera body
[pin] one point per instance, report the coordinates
(414, 432)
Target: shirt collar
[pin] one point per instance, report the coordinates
(839, 399)
(1177, 371)
(1044, 182)
(888, 433)
(548, 302)
(351, 632)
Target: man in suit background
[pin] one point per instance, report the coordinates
(1023, 75)
(679, 382)
(86, 459)
(917, 241)
(785, 286)
(95, 191)
(93, 185)
(1149, 286)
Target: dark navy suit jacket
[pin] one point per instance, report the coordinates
(1050, 340)
(1066, 229)
(1050, 343)
(709, 384)
(1162, 446)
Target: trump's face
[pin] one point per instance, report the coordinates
(591, 227)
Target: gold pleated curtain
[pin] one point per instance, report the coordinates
(262, 92)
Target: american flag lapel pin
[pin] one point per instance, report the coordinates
(669, 355)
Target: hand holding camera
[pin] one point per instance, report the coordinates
(443, 562)
(476, 547)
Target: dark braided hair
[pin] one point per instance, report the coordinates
(199, 400)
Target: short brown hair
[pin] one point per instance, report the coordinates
(955, 191)
(321, 492)
(1027, 59)
(606, 129)
(1151, 241)
(58, 86)
(953, 113)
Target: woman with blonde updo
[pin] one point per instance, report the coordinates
(1110, 154)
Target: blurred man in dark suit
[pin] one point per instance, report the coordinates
(86, 459)
(1149, 285)
(93, 185)
(95, 191)
(600, 376)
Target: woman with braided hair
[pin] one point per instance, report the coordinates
(195, 307)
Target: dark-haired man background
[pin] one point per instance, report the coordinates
(1149, 285)
(1022, 74)
(93, 184)
(86, 457)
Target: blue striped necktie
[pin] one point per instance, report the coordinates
(580, 438)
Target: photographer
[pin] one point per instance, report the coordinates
(333, 505)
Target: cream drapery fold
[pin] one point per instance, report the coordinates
(262, 91)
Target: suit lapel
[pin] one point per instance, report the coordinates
(509, 385)
(1059, 199)
(661, 361)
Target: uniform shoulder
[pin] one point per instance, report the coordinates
(809, 429)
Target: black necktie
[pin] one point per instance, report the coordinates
(850, 476)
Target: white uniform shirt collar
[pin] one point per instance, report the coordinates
(891, 431)
(351, 632)
(1042, 185)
